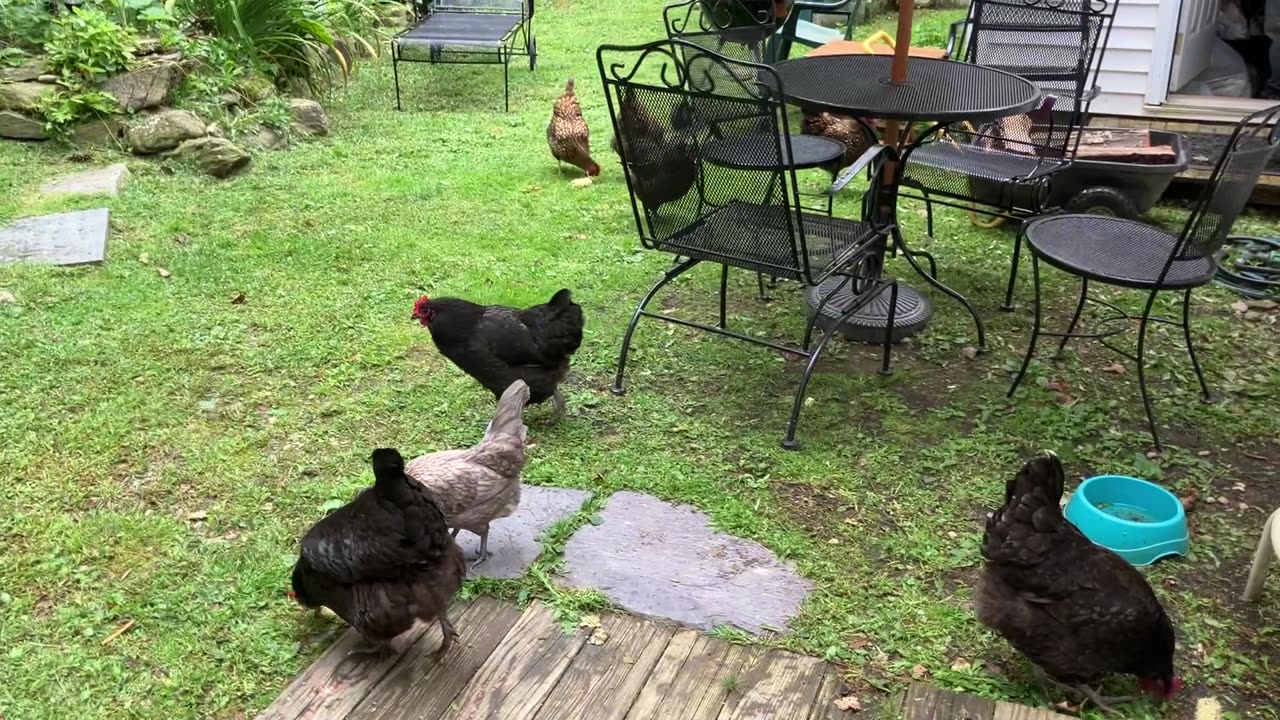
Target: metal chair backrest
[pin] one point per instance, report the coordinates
(1249, 149)
(664, 138)
(738, 29)
(1055, 44)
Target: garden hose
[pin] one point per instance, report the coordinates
(1250, 267)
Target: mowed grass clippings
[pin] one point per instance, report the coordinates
(167, 437)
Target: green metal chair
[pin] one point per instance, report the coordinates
(801, 28)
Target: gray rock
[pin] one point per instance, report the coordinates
(24, 96)
(146, 87)
(216, 156)
(265, 138)
(255, 87)
(215, 130)
(515, 542)
(32, 69)
(658, 559)
(308, 117)
(74, 238)
(165, 130)
(109, 180)
(20, 127)
(98, 131)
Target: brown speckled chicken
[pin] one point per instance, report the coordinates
(1077, 610)
(567, 133)
(383, 561)
(482, 483)
(841, 128)
(662, 166)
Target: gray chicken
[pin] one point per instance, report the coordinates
(480, 484)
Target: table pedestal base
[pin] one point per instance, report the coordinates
(867, 325)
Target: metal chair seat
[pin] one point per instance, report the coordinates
(479, 30)
(946, 168)
(719, 238)
(1115, 251)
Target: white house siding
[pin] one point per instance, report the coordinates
(1123, 76)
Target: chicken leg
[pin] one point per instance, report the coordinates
(561, 410)
(484, 549)
(447, 635)
(1102, 702)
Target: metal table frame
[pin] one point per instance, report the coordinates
(876, 68)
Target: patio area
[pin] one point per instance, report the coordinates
(173, 420)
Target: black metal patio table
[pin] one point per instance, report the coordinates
(937, 92)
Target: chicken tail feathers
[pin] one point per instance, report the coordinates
(562, 299)
(508, 419)
(1031, 506)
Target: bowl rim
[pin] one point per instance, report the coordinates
(1179, 514)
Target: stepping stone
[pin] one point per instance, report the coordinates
(109, 180)
(73, 238)
(655, 558)
(515, 542)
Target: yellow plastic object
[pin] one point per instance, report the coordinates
(975, 219)
(880, 36)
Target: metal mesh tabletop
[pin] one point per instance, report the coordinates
(462, 29)
(935, 90)
(761, 151)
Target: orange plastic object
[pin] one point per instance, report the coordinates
(858, 47)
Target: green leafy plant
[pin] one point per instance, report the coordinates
(13, 57)
(289, 39)
(62, 110)
(142, 14)
(24, 23)
(85, 46)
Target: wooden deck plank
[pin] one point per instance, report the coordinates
(651, 698)
(336, 683)
(779, 686)
(1011, 711)
(524, 668)
(419, 688)
(605, 679)
(824, 703)
(924, 702)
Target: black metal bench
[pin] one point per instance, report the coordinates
(468, 32)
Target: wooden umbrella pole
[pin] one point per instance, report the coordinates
(901, 56)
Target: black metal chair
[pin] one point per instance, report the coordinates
(467, 32)
(1129, 254)
(729, 196)
(1004, 169)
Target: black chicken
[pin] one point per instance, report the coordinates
(1077, 610)
(662, 166)
(498, 345)
(384, 560)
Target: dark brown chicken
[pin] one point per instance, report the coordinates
(662, 166)
(480, 484)
(841, 128)
(498, 345)
(1077, 610)
(567, 133)
(383, 561)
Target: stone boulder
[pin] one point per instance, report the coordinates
(216, 156)
(255, 87)
(308, 117)
(98, 131)
(164, 130)
(265, 138)
(20, 127)
(29, 70)
(144, 88)
(24, 96)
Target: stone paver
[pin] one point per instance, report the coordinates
(514, 542)
(73, 238)
(659, 559)
(109, 180)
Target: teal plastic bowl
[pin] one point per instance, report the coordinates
(1138, 520)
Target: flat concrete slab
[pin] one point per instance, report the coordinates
(515, 542)
(659, 559)
(73, 238)
(108, 180)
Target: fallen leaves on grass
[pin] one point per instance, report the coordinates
(961, 665)
(1061, 391)
(1117, 368)
(581, 182)
(163, 273)
(197, 516)
(238, 299)
(919, 672)
(1064, 706)
(7, 298)
(1189, 501)
(969, 353)
(592, 623)
(848, 703)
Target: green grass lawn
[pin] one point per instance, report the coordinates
(163, 446)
